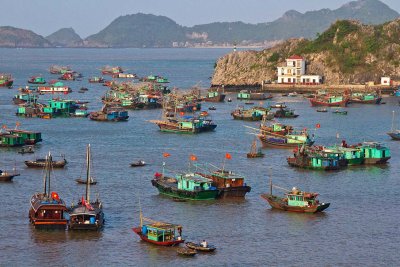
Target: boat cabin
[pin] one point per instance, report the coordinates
(375, 150)
(7, 139)
(226, 179)
(28, 136)
(301, 199)
(162, 232)
(194, 182)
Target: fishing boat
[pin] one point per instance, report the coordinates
(139, 163)
(278, 105)
(54, 87)
(199, 247)
(285, 113)
(124, 75)
(37, 80)
(229, 100)
(107, 70)
(159, 233)
(212, 108)
(86, 215)
(185, 124)
(6, 176)
(375, 153)
(340, 112)
(253, 114)
(214, 97)
(295, 201)
(28, 137)
(394, 133)
(59, 69)
(254, 151)
(81, 181)
(228, 183)
(47, 208)
(317, 158)
(10, 140)
(352, 154)
(246, 95)
(6, 80)
(189, 186)
(329, 101)
(27, 149)
(186, 251)
(96, 79)
(321, 110)
(365, 98)
(67, 76)
(41, 163)
(293, 94)
(109, 114)
(291, 140)
(24, 98)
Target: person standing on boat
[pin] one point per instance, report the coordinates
(204, 244)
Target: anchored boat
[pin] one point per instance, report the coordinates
(47, 208)
(41, 163)
(86, 215)
(295, 201)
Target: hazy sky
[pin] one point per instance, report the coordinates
(90, 16)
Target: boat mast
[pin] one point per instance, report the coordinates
(49, 160)
(45, 177)
(392, 120)
(88, 173)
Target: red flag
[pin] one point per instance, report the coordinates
(182, 113)
(228, 156)
(193, 157)
(17, 123)
(166, 155)
(318, 125)
(55, 196)
(4, 126)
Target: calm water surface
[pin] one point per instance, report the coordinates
(361, 227)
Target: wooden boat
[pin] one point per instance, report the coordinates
(228, 183)
(47, 208)
(28, 137)
(229, 100)
(285, 113)
(10, 140)
(6, 176)
(322, 110)
(394, 134)
(41, 163)
(6, 80)
(253, 114)
(214, 97)
(212, 108)
(293, 94)
(188, 124)
(24, 98)
(138, 163)
(363, 98)
(317, 158)
(199, 247)
(107, 70)
(186, 251)
(340, 112)
(59, 69)
(375, 153)
(109, 114)
(159, 233)
(81, 181)
(295, 201)
(329, 101)
(189, 186)
(254, 151)
(96, 80)
(86, 215)
(246, 95)
(278, 105)
(67, 76)
(54, 87)
(27, 149)
(37, 80)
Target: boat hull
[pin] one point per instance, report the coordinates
(199, 247)
(394, 136)
(371, 161)
(257, 155)
(315, 103)
(183, 194)
(42, 164)
(277, 203)
(7, 177)
(7, 83)
(246, 118)
(307, 165)
(372, 101)
(269, 142)
(138, 231)
(218, 98)
(238, 191)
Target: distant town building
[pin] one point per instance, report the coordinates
(385, 81)
(294, 72)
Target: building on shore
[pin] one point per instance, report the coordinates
(295, 72)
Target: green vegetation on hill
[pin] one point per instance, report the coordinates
(65, 37)
(14, 37)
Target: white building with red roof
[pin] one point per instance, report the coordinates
(294, 72)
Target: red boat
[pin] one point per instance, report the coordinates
(330, 101)
(6, 80)
(159, 233)
(68, 76)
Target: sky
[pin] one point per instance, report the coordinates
(88, 17)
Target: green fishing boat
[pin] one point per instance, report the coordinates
(353, 155)
(189, 186)
(375, 153)
(317, 158)
(253, 114)
(28, 137)
(10, 140)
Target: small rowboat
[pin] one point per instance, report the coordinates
(140, 163)
(81, 181)
(340, 112)
(212, 108)
(41, 163)
(28, 149)
(200, 247)
(186, 251)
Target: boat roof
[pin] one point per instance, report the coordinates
(82, 210)
(227, 175)
(372, 144)
(196, 177)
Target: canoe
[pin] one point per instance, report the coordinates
(199, 247)
(186, 251)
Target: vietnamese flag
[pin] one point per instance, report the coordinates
(166, 155)
(228, 156)
(193, 158)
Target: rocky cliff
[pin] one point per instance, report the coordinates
(14, 37)
(348, 52)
